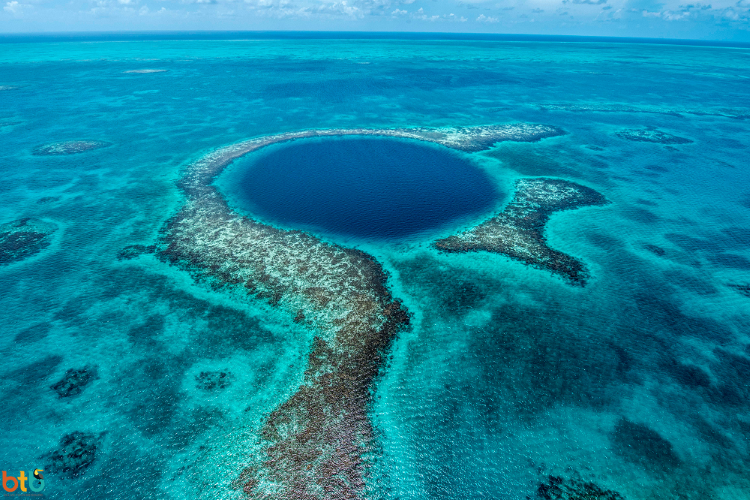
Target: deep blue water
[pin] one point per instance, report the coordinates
(507, 375)
(363, 187)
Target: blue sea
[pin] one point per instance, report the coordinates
(124, 377)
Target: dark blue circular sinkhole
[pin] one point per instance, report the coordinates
(375, 188)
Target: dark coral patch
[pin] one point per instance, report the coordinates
(742, 288)
(603, 241)
(651, 135)
(132, 251)
(733, 373)
(35, 372)
(654, 249)
(209, 381)
(639, 214)
(688, 375)
(642, 445)
(558, 488)
(23, 238)
(33, 333)
(74, 381)
(731, 260)
(518, 231)
(68, 148)
(76, 452)
(657, 168)
(48, 199)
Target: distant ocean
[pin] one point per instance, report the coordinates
(137, 366)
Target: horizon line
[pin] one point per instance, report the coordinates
(360, 34)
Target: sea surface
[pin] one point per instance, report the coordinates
(510, 382)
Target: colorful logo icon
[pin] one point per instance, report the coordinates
(35, 482)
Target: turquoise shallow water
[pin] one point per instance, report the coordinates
(638, 382)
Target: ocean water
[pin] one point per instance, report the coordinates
(509, 383)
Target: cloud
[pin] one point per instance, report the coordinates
(420, 15)
(487, 19)
(537, 10)
(324, 9)
(13, 7)
(589, 2)
(339, 9)
(692, 11)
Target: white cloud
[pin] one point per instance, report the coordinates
(13, 7)
(487, 19)
(353, 9)
(453, 17)
(698, 11)
(340, 9)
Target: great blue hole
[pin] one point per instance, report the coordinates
(363, 187)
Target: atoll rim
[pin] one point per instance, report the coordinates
(314, 443)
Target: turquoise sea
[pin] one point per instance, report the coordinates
(126, 376)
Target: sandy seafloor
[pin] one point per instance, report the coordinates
(638, 381)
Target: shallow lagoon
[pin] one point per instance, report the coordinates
(508, 375)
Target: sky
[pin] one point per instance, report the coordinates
(727, 20)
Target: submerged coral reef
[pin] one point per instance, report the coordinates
(651, 135)
(76, 452)
(734, 113)
(68, 147)
(312, 444)
(644, 446)
(132, 251)
(23, 238)
(74, 381)
(518, 231)
(208, 381)
(742, 288)
(558, 488)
